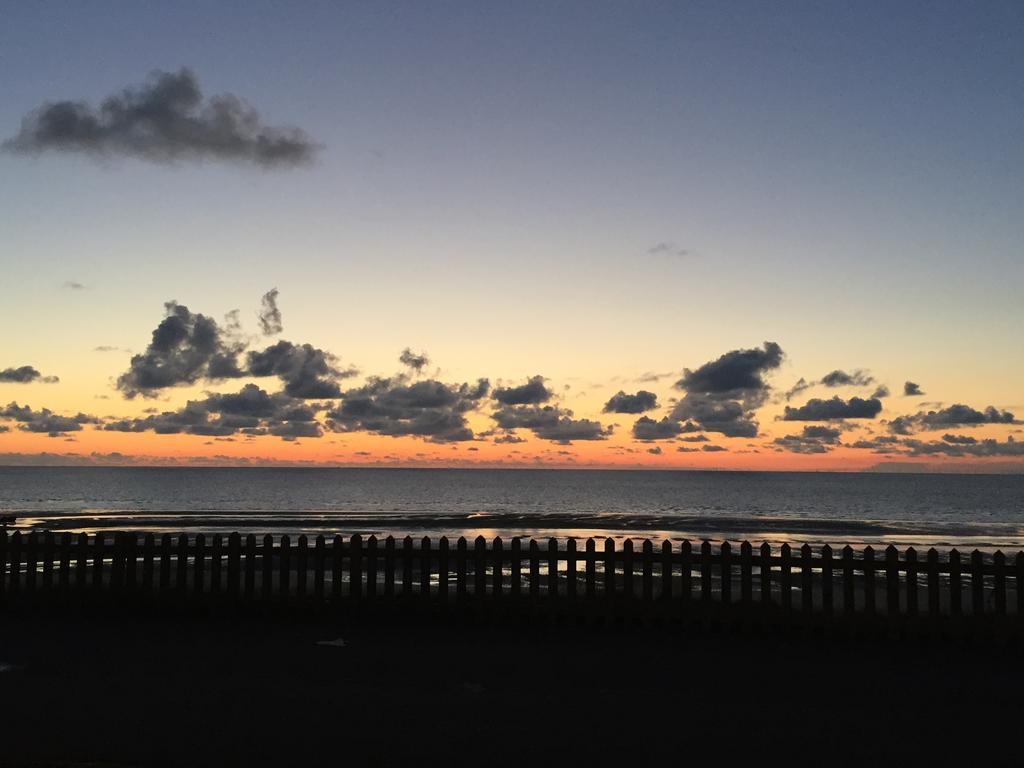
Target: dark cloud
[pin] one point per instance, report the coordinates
(397, 407)
(620, 402)
(739, 374)
(307, 372)
(956, 415)
(801, 385)
(25, 374)
(549, 422)
(838, 378)
(814, 439)
(710, 448)
(721, 395)
(646, 428)
(533, 392)
(695, 439)
(250, 411)
(44, 421)
(910, 389)
(959, 439)
(185, 348)
(823, 410)
(651, 377)
(655, 451)
(980, 449)
(880, 391)
(165, 120)
(416, 361)
(270, 315)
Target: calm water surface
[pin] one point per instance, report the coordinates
(950, 510)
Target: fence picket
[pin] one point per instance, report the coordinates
(534, 570)
(552, 591)
(199, 564)
(746, 573)
(442, 569)
(785, 578)
(869, 580)
(284, 567)
(999, 583)
(570, 569)
(933, 583)
(705, 571)
(516, 566)
(806, 580)
(591, 569)
(371, 567)
(609, 568)
(302, 568)
(977, 583)
(955, 602)
(766, 573)
(892, 582)
(826, 581)
(460, 569)
(725, 577)
(425, 565)
(910, 557)
(647, 558)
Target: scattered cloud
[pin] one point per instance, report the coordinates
(25, 374)
(397, 407)
(817, 409)
(269, 315)
(533, 392)
(910, 389)
(165, 120)
(185, 348)
(74, 285)
(668, 248)
(956, 415)
(721, 395)
(620, 402)
(45, 421)
(838, 378)
(414, 360)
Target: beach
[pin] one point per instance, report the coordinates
(262, 690)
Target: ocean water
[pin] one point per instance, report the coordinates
(985, 511)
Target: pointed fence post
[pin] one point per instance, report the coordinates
(216, 552)
(371, 567)
(516, 566)
(977, 583)
(319, 567)
(49, 552)
(570, 569)
(591, 568)
(746, 573)
(609, 568)
(442, 570)
(389, 566)
(267, 580)
(285, 567)
(892, 581)
(199, 565)
(666, 570)
(426, 562)
(685, 573)
(250, 567)
(869, 580)
(480, 569)
(806, 580)
(31, 557)
(234, 563)
(647, 565)
(910, 558)
(498, 557)
(934, 594)
(765, 573)
(355, 567)
(460, 569)
(337, 568)
(98, 545)
(705, 571)
(65, 544)
(955, 586)
(725, 586)
(786, 577)
(627, 569)
(302, 568)
(827, 602)
(534, 550)
(849, 585)
(999, 583)
(552, 586)
(14, 558)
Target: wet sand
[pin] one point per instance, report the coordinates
(259, 691)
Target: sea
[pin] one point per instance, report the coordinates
(966, 511)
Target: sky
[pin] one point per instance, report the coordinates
(697, 205)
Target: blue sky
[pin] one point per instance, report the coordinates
(843, 178)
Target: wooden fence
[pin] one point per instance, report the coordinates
(651, 578)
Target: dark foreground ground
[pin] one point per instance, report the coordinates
(108, 691)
